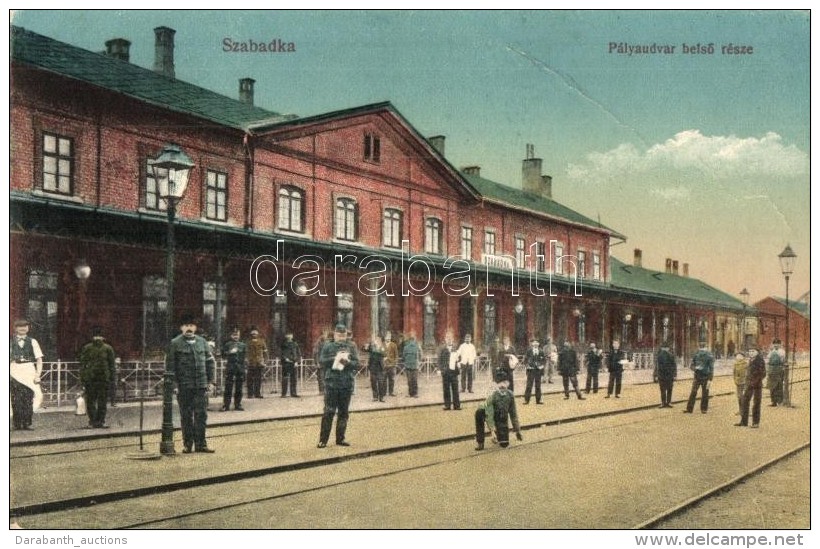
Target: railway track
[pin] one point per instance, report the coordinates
(677, 510)
(586, 423)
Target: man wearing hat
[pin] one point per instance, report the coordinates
(615, 367)
(703, 364)
(26, 357)
(190, 360)
(666, 370)
(257, 350)
(593, 359)
(497, 412)
(233, 351)
(776, 373)
(340, 362)
(291, 354)
(568, 369)
(534, 362)
(755, 373)
(448, 368)
(97, 369)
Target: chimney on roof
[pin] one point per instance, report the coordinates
(437, 142)
(531, 179)
(675, 267)
(246, 90)
(164, 51)
(118, 48)
(686, 270)
(472, 170)
(668, 266)
(638, 261)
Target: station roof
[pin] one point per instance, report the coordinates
(531, 202)
(98, 69)
(665, 285)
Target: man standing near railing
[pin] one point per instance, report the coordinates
(97, 368)
(391, 362)
(466, 357)
(615, 367)
(257, 350)
(233, 351)
(26, 369)
(411, 355)
(291, 355)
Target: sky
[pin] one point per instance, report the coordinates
(700, 157)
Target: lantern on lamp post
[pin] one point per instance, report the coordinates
(171, 170)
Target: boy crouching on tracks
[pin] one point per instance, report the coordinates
(495, 411)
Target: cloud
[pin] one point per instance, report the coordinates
(672, 193)
(692, 156)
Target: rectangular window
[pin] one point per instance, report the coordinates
(559, 262)
(216, 196)
(520, 248)
(489, 242)
(41, 310)
(391, 228)
(582, 264)
(58, 164)
(214, 297)
(155, 312)
(152, 198)
(432, 236)
(541, 257)
(372, 148)
(467, 242)
(596, 265)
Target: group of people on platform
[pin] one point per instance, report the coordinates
(191, 362)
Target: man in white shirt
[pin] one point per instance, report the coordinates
(466, 358)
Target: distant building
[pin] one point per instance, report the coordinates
(772, 323)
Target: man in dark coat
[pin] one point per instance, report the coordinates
(615, 367)
(448, 368)
(375, 365)
(97, 368)
(703, 364)
(233, 351)
(754, 389)
(568, 369)
(666, 370)
(534, 362)
(190, 360)
(291, 355)
(593, 359)
(340, 361)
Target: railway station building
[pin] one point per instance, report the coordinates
(299, 223)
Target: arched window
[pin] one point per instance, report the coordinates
(291, 209)
(391, 228)
(347, 219)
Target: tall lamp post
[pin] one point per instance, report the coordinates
(744, 296)
(171, 170)
(787, 258)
